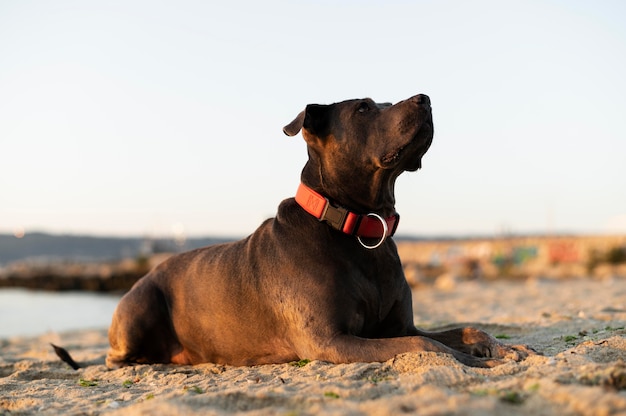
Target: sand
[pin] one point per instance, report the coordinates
(578, 325)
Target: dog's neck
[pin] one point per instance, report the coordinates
(361, 194)
(370, 225)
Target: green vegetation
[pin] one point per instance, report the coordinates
(87, 383)
(512, 397)
(193, 389)
(534, 387)
(616, 255)
(378, 379)
(613, 256)
(300, 363)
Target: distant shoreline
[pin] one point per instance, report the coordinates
(43, 246)
(61, 263)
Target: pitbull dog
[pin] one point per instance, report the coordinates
(322, 280)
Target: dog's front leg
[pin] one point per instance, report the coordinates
(348, 348)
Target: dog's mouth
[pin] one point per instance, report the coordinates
(393, 157)
(412, 151)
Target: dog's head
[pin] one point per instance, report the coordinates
(360, 146)
(384, 136)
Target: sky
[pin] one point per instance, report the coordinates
(155, 118)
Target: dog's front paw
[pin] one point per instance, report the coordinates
(493, 353)
(480, 344)
(517, 352)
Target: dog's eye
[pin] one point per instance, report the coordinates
(363, 107)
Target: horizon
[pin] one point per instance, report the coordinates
(145, 118)
(397, 237)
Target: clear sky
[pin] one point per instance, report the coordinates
(151, 117)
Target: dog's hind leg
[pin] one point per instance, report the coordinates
(141, 330)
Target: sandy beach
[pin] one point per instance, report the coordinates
(578, 325)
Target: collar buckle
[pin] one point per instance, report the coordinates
(335, 216)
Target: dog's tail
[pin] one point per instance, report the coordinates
(65, 357)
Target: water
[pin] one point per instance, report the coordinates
(25, 312)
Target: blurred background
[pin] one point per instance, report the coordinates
(134, 129)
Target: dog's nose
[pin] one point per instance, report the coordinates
(422, 99)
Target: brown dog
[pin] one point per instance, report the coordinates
(321, 281)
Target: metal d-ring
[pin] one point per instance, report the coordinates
(382, 239)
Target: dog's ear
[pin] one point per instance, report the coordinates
(294, 127)
(314, 119)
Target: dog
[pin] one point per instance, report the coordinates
(320, 281)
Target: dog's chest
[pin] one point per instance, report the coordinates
(371, 303)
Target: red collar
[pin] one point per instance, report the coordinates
(365, 226)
